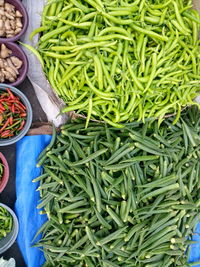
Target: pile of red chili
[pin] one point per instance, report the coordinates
(12, 114)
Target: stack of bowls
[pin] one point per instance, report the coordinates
(18, 52)
(7, 242)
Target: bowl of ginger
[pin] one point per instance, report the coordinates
(13, 20)
(13, 64)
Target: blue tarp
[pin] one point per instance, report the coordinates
(195, 248)
(30, 220)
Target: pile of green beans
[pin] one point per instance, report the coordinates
(121, 60)
(6, 222)
(121, 197)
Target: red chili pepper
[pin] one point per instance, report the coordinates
(22, 125)
(2, 107)
(20, 107)
(12, 114)
(13, 108)
(11, 120)
(7, 100)
(5, 125)
(2, 98)
(5, 133)
(10, 94)
(5, 96)
(23, 115)
(10, 135)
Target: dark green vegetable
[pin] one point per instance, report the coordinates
(121, 61)
(6, 222)
(143, 214)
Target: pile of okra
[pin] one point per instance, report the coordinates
(121, 197)
(6, 222)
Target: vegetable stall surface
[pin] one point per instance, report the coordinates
(1, 170)
(12, 114)
(121, 61)
(121, 197)
(10, 20)
(9, 65)
(6, 222)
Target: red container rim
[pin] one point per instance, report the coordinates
(5, 177)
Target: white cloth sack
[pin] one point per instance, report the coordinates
(49, 102)
(5, 263)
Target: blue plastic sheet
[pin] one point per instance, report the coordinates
(30, 220)
(195, 248)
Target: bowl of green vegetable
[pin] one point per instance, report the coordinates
(9, 228)
(4, 172)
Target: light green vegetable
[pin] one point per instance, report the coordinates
(131, 60)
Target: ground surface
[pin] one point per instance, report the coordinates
(8, 196)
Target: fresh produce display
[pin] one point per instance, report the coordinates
(12, 114)
(121, 61)
(6, 222)
(121, 197)
(9, 65)
(10, 20)
(1, 170)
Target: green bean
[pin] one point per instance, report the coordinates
(111, 237)
(119, 156)
(99, 72)
(53, 176)
(114, 216)
(38, 30)
(152, 75)
(179, 18)
(150, 33)
(73, 206)
(35, 52)
(161, 190)
(137, 82)
(53, 33)
(91, 157)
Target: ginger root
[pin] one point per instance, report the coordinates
(9, 65)
(10, 20)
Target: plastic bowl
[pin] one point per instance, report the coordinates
(29, 118)
(19, 6)
(8, 241)
(18, 52)
(5, 177)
